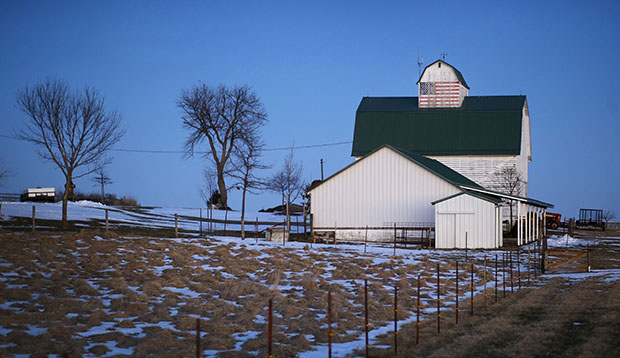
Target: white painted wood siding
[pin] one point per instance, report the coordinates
(383, 187)
(467, 220)
(441, 72)
(479, 169)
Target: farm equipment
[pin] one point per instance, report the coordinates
(553, 220)
(590, 219)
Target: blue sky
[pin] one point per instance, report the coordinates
(311, 63)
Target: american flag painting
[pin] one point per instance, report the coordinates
(439, 94)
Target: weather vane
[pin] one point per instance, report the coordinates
(443, 56)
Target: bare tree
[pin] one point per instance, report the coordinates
(508, 180)
(244, 166)
(288, 179)
(102, 179)
(209, 187)
(72, 129)
(222, 116)
(608, 215)
(3, 174)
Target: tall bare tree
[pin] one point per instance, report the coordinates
(508, 180)
(245, 164)
(72, 129)
(288, 179)
(222, 116)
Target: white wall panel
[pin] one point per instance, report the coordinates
(462, 217)
(384, 187)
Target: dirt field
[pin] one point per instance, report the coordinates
(567, 315)
(92, 294)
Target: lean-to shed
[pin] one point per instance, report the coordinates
(468, 220)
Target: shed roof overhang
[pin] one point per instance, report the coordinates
(521, 199)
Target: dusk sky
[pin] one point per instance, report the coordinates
(311, 63)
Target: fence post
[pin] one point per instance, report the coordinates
(519, 267)
(466, 245)
(417, 315)
(33, 217)
(484, 273)
(512, 282)
(198, 338)
(256, 229)
(329, 322)
(176, 225)
(200, 221)
(106, 220)
(366, 313)
(438, 302)
(270, 323)
(395, 317)
(495, 276)
(504, 274)
(366, 239)
(588, 258)
(225, 219)
(472, 289)
(394, 239)
(529, 265)
(457, 292)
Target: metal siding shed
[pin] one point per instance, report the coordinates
(468, 220)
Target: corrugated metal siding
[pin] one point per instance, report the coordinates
(383, 187)
(466, 214)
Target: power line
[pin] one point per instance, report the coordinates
(153, 151)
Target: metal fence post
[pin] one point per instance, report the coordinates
(456, 310)
(176, 225)
(395, 317)
(366, 326)
(33, 217)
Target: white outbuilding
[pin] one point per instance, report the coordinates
(468, 220)
(388, 189)
(391, 191)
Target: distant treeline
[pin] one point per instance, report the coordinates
(109, 199)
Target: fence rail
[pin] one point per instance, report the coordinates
(9, 197)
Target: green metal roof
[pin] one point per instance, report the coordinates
(431, 165)
(492, 199)
(485, 125)
(458, 73)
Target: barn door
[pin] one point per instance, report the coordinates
(463, 230)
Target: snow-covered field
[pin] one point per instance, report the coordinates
(88, 213)
(89, 294)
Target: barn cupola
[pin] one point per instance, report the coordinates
(441, 86)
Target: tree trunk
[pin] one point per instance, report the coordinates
(243, 212)
(65, 198)
(221, 184)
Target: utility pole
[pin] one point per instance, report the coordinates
(102, 179)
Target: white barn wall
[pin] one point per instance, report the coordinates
(379, 189)
(479, 169)
(466, 214)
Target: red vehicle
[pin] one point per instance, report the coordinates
(553, 220)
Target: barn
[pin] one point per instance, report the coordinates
(434, 162)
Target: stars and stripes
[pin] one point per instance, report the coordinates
(439, 94)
